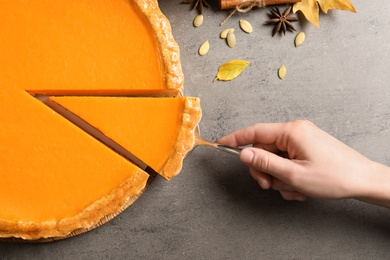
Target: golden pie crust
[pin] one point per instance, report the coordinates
(95, 215)
(168, 46)
(186, 139)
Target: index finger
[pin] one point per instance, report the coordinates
(260, 133)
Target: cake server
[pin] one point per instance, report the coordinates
(200, 141)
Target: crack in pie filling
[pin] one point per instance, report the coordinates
(114, 64)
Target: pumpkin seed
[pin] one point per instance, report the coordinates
(299, 39)
(246, 26)
(204, 48)
(198, 20)
(224, 33)
(282, 72)
(231, 39)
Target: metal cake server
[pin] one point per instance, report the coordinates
(200, 141)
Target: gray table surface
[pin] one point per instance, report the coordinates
(339, 79)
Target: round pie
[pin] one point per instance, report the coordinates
(114, 66)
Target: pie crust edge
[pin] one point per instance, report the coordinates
(185, 141)
(96, 214)
(169, 48)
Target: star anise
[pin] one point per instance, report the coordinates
(281, 21)
(198, 4)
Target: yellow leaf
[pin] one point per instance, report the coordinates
(336, 4)
(310, 8)
(231, 69)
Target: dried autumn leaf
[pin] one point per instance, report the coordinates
(310, 8)
(231, 69)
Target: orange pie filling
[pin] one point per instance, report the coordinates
(52, 174)
(56, 179)
(88, 47)
(160, 131)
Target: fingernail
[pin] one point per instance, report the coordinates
(247, 156)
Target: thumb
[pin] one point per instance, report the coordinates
(267, 162)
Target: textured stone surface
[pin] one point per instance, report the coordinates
(339, 79)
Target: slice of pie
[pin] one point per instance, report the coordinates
(158, 130)
(57, 180)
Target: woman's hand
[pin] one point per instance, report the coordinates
(298, 159)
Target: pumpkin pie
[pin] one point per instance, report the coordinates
(115, 65)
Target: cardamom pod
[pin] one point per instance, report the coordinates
(299, 39)
(231, 39)
(282, 72)
(246, 26)
(198, 20)
(224, 33)
(204, 48)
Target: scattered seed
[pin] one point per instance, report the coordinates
(246, 26)
(204, 48)
(282, 72)
(198, 20)
(224, 33)
(299, 39)
(231, 39)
